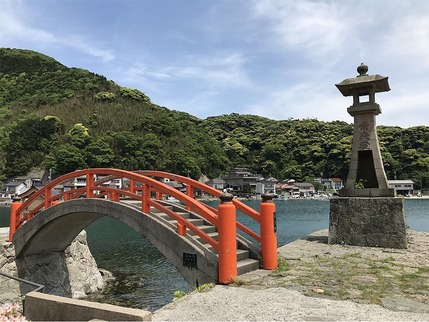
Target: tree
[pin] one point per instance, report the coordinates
(98, 154)
(29, 142)
(184, 164)
(68, 158)
(79, 136)
(128, 151)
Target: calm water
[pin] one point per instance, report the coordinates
(146, 280)
(4, 215)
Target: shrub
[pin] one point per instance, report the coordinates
(105, 96)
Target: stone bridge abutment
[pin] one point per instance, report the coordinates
(40, 244)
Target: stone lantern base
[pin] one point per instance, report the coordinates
(370, 222)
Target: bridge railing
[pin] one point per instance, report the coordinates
(265, 218)
(193, 185)
(25, 211)
(143, 185)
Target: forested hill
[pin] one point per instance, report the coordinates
(69, 118)
(62, 118)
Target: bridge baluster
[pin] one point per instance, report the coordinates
(14, 216)
(90, 185)
(158, 195)
(132, 186)
(227, 248)
(181, 229)
(190, 190)
(113, 196)
(268, 233)
(117, 197)
(48, 195)
(145, 198)
(190, 193)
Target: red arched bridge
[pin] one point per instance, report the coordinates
(201, 241)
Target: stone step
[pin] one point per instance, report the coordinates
(196, 221)
(210, 248)
(244, 263)
(199, 222)
(157, 211)
(242, 254)
(204, 228)
(214, 235)
(167, 217)
(247, 265)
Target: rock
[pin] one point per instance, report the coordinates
(318, 291)
(400, 303)
(107, 276)
(82, 266)
(73, 273)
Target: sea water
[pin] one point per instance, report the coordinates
(146, 280)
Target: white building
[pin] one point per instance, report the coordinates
(266, 186)
(13, 188)
(402, 187)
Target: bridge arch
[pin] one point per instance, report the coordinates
(186, 234)
(55, 228)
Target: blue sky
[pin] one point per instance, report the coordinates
(278, 59)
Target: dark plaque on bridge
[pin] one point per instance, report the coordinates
(190, 260)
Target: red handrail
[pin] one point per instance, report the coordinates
(90, 188)
(21, 213)
(252, 213)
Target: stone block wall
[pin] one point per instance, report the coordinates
(372, 222)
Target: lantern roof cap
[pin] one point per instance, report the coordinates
(363, 83)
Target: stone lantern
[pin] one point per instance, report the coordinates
(366, 213)
(366, 174)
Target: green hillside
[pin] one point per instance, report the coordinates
(68, 118)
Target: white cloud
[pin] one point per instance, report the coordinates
(223, 70)
(218, 70)
(87, 46)
(304, 100)
(198, 104)
(322, 43)
(276, 58)
(16, 29)
(316, 29)
(182, 37)
(409, 42)
(406, 107)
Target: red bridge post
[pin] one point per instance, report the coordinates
(132, 186)
(181, 229)
(145, 198)
(48, 195)
(13, 216)
(189, 192)
(90, 185)
(227, 248)
(268, 232)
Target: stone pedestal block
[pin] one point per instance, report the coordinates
(371, 222)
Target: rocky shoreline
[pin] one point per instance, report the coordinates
(314, 281)
(369, 275)
(317, 281)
